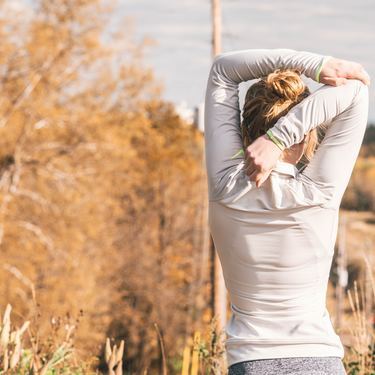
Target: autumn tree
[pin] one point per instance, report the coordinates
(101, 184)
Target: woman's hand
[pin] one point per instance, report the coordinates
(260, 158)
(335, 72)
(262, 154)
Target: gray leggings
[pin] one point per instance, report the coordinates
(290, 366)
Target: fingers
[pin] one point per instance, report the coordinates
(368, 78)
(358, 72)
(363, 76)
(256, 176)
(255, 172)
(261, 179)
(334, 81)
(259, 156)
(253, 175)
(340, 81)
(250, 165)
(336, 71)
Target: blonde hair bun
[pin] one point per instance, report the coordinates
(286, 84)
(269, 99)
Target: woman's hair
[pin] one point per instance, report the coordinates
(271, 98)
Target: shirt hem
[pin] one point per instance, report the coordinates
(286, 351)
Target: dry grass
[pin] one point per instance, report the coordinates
(41, 358)
(203, 355)
(360, 356)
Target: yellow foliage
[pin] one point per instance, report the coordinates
(101, 183)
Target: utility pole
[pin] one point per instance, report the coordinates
(219, 293)
(216, 27)
(342, 272)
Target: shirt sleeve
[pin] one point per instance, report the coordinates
(344, 109)
(222, 113)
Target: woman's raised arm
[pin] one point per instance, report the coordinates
(345, 109)
(222, 112)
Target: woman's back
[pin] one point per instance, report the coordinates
(276, 251)
(276, 242)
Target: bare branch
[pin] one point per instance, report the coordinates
(36, 78)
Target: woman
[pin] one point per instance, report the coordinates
(274, 226)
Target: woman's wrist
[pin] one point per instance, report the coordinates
(275, 140)
(320, 67)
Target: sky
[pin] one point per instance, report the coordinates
(181, 29)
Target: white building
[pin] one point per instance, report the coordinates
(193, 116)
(185, 112)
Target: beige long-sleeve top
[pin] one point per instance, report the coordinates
(276, 242)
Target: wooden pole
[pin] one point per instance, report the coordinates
(342, 271)
(216, 27)
(219, 293)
